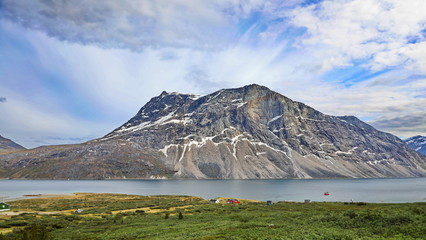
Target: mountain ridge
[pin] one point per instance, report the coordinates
(240, 133)
(418, 143)
(7, 145)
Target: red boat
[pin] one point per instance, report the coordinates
(326, 193)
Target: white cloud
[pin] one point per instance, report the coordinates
(385, 33)
(380, 101)
(404, 126)
(30, 125)
(133, 24)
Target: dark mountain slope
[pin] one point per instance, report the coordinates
(7, 145)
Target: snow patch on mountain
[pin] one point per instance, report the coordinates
(417, 143)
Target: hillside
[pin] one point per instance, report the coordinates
(7, 145)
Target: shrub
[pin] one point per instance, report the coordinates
(13, 223)
(36, 231)
(72, 218)
(350, 213)
(118, 217)
(418, 211)
(140, 211)
(398, 219)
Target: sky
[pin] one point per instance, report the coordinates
(72, 71)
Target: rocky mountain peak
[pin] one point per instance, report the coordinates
(258, 102)
(417, 143)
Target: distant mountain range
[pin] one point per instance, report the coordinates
(243, 133)
(7, 145)
(417, 143)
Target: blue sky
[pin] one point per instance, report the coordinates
(71, 72)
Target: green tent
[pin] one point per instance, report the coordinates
(4, 206)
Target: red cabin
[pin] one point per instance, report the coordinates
(232, 201)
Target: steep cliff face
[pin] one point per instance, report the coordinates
(417, 143)
(7, 145)
(248, 132)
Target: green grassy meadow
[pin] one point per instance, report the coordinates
(116, 216)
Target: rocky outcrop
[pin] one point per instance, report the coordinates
(7, 145)
(249, 132)
(417, 143)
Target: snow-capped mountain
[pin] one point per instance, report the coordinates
(417, 143)
(249, 132)
(7, 145)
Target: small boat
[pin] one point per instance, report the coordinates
(326, 193)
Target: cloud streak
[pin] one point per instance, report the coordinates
(131, 24)
(3, 99)
(100, 61)
(405, 126)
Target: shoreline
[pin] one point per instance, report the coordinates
(222, 199)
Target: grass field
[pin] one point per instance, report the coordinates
(116, 216)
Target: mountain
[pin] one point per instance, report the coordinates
(7, 145)
(249, 132)
(417, 143)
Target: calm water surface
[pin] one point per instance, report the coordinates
(366, 190)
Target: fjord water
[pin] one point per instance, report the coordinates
(358, 190)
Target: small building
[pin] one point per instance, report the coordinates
(4, 206)
(214, 200)
(269, 202)
(78, 211)
(233, 201)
